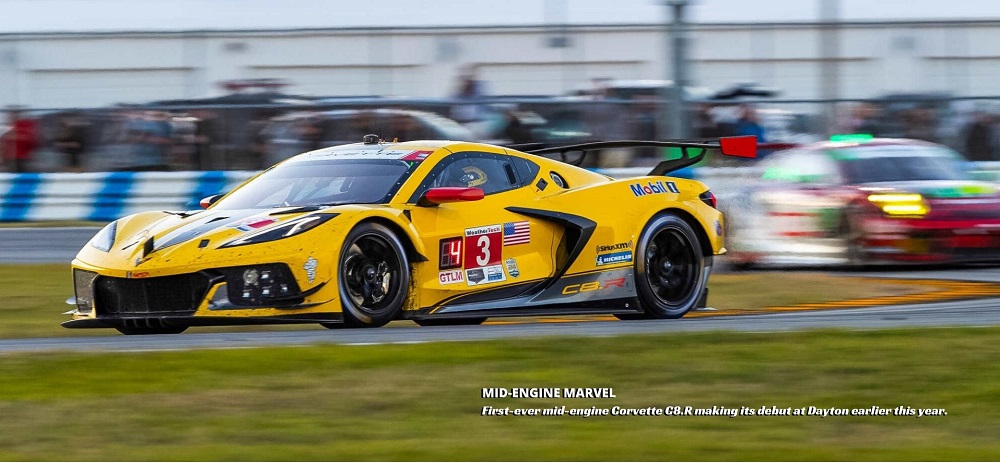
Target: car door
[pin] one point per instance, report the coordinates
(481, 245)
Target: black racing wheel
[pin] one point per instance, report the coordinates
(669, 267)
(374, 276)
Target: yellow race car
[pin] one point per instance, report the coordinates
(439, 232)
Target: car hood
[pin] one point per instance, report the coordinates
(193, 236)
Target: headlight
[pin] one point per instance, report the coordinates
(290, 228)
(105, 238)
(900, 204)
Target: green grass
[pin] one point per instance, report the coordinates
(34, 297)
(423, 402)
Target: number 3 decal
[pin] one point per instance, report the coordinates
(484, 248)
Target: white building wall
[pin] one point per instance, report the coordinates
(91, 69)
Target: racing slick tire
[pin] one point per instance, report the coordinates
(450, 321)
(374, 276)
(669, 267)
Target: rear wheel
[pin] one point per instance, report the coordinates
(374, 276)
(669, 267)
(854, 251)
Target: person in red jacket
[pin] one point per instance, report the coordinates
(19, 141)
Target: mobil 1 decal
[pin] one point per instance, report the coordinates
(483, 253)
(653, 188)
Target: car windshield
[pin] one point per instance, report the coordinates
(322, 182)
(903, 163)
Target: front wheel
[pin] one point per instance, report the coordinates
(669, 267)
(374, 276)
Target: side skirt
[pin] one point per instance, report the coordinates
(607, 291)
(203, 321)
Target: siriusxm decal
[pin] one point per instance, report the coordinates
(652, 188)
(625, 245)
(614, 258)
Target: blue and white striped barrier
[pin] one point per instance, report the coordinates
(104, 196)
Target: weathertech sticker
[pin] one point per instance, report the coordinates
(450, 276)
(483, 246)
(516, 233)
(485, 275)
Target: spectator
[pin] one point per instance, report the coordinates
(310, 133)
(919, 123)
(362, 123)
(149, 135)
(706, 125)
(405, 127)
(605, 122)
(748, 124)
(470, 89)
(980, 144)
(642, 121)
(514, 130)
(205, 136)
(20, 141)
(71, 139)
(864, 119)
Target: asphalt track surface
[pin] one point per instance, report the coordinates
(26, 245)
(59, 245)
(962, 313)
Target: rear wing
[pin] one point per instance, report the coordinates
(692, 151)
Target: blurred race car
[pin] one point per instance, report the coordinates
(434, 231)
(862, 202)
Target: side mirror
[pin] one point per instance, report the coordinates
(447, 194)
(210, 200)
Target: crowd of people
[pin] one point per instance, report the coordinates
(141, 139)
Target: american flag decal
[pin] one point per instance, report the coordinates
(516, 233)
